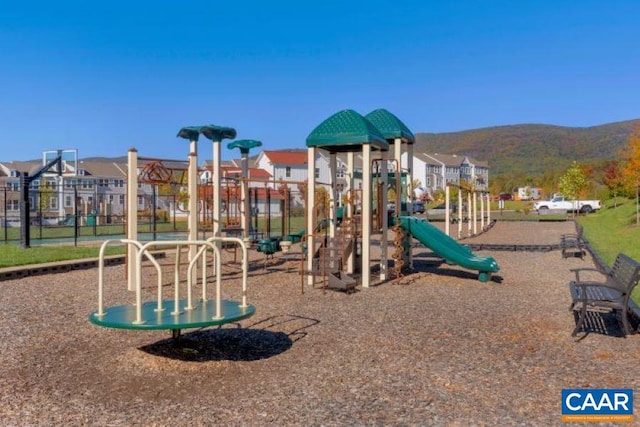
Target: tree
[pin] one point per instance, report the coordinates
(631, 168)
(612, 178)
(46, 193)
(573, 182)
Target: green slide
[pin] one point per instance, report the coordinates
(446, 247)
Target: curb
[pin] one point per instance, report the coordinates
(57, 267)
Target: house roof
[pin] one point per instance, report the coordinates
(106, 169)
(286, 157)
(448, 159)
(254, 173)
(29, 166)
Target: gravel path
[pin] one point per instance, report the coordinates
(440, 349)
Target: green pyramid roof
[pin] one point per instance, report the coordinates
(390, 126)
(244, 145)
(346, 131)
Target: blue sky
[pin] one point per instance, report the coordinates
(106, 76)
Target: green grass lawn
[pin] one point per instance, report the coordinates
(12, 255)
(610, 231)
(613, 230)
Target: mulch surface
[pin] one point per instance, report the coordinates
(437, 348)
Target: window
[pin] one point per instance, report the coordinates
(13, 205)
(287, 172)
(317, 173)
(121, 199)
(67, 201)
(53, 203)
(110, 198)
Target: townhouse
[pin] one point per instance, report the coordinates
(435, 171)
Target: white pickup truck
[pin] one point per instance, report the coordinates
(558, 202)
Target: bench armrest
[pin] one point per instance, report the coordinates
(578, 270)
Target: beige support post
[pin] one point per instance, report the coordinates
(192, 186)
(481, 211)
(469, 215)
(410, 185)
(447, 206)
(192, 218)
(349, 211)
(459, 213)
(332, 194)
(366, 216)
(397, 151)
(475, 213)
(216, 178)
(488, 208)
(245, 213)
(384, 264)
(132, 215)
(311, 202)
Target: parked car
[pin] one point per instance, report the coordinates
(558, 202)
(418, 207)
(441, 209)
(438, 213)
(505, 196)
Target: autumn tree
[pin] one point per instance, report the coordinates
(573, 182)
(612, 178)
(630, 170)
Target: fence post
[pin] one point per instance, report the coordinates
(75, 215)
(4, 220)
(25, 236)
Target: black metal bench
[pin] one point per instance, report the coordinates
(572, 245)
(609, 295)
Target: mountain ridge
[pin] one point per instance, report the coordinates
(532, 148)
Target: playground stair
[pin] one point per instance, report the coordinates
(333, 256)
(329, 258)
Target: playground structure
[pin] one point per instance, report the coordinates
(344, 249)
(337, 239)
(174, 314)
(184, 313)
(349, 132)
